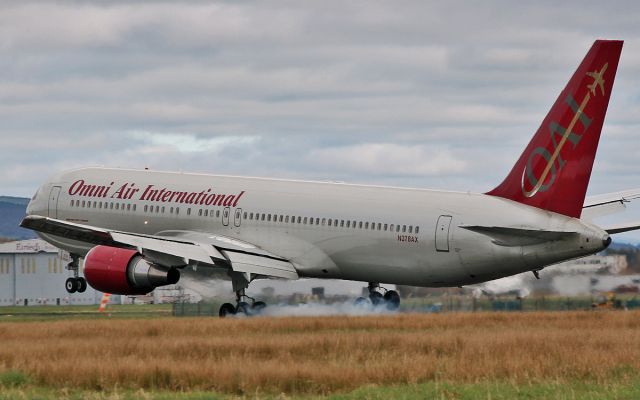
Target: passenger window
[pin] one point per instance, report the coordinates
(95, 204)
(269, 217)
(353, 224)
(404, 228)
(360, 224)
(158, 209)
(348, 224)
(117, 206)
(417, 229)
(397, 228)
(329, 221)
(134, 206)
(317, 221)
(262, 217)
(245, 215)
(188, 211)
(391, 227)
(217, 213)
(366, 225)
(379, 226)
(299, 219)
(324, 221)
(385, 227)
(305, 220)
(410, 229)
(311, 221)
(163, 209)
(286, 220)
(206, 214)
(200, 212)
(145, 208)
(177, 210)
(280, 217)
(341, 223)
(171, 210)
(251, 216)
(111, 206)
(129, 207)
(82, 203)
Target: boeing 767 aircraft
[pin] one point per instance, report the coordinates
(138, 229)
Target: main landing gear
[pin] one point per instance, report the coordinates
(76, 283)
(380, 297)
(244, 304)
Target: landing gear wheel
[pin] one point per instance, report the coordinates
(376, 298)
(82, 285)
(361, 302)
(392, 299)
(71, 284)
(227, 309)
(258, 307)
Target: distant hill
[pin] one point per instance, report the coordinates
(12, 209)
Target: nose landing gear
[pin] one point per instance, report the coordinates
(75, 283)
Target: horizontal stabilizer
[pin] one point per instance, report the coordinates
(625, 227)
(507, 236)
(609, 203)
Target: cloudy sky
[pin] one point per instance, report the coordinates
(411, 93)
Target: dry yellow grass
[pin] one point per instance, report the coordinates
(321, 355)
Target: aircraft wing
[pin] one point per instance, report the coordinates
(174, 248)
(609, 203)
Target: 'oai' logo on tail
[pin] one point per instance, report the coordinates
(553, 158)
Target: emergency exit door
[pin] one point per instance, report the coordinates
(442, 233)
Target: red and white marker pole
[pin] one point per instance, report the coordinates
(104, 301)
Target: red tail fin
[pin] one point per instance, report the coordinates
(553, 172)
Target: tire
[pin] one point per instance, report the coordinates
(71, 284)
(361, 302)
(258, 307)
(82, 285)
(227, 309)
(392, 300)
(376, 298)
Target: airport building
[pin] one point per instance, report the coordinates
(32, 272)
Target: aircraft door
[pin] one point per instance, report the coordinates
(225, 216)
(237, 217)
(442, 232)
(53, 201)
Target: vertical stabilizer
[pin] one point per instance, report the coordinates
(554, 170)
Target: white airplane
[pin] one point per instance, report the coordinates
(137, 229)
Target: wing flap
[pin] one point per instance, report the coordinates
(251, 263)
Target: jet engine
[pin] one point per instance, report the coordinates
(123, 271)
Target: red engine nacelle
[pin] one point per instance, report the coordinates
(123, 271)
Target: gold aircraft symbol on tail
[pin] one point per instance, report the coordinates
(597, 80)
